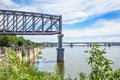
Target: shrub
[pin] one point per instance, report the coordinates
(100, 65)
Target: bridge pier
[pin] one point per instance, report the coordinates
(71, 45)
(60, 50)
(109, 45)
(105, 44)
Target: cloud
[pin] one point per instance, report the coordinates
(28, 8)
(92, 39)
(79, 10)
(42, 38)
(8, 4)
(100, 28)
(73, 11)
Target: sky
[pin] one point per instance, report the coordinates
(82, 20)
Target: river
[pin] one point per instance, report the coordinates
(74, 60)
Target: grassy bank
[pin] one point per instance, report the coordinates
(12, 68)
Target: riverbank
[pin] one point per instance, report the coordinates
(12, 68)
(30, 54)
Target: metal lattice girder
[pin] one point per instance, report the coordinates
(29, 23)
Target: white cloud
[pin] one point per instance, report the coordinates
(42, 38)
(106, 28)
(92, 39)
(78, 10)
(73, 11)
(8, 4)
(28, 8)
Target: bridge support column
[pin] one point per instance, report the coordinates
(71, 45)
(60, 50)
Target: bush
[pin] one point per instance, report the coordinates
(101, 69)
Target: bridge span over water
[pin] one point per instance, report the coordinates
(71, 44)
(31, 23)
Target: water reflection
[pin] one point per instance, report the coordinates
(60, 68)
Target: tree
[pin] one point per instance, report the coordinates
(21, 41)
(8, 40)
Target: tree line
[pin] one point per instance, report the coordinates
(13, 40)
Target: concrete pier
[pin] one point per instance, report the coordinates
(60, 54)
(60, 50)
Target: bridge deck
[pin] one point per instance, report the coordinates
(29, 33)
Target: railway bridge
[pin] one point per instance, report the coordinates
(30, 23)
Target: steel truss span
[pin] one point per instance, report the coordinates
(29, 23)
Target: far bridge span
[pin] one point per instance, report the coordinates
(71, 44)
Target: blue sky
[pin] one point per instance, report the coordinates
(83, 20)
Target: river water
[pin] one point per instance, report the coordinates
(74, 60)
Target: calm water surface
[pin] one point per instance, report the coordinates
(74, 60)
